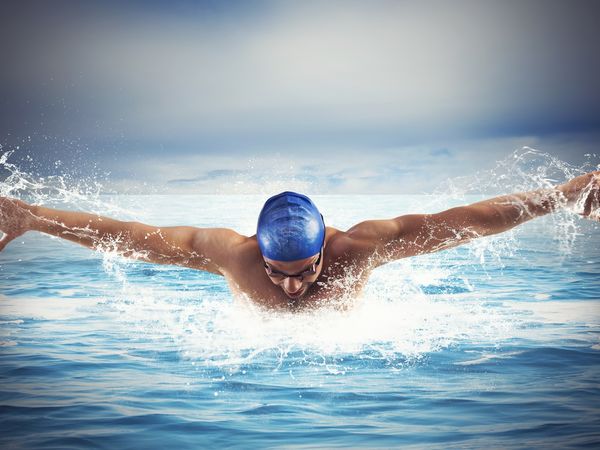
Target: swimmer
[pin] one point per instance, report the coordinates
(295, 260)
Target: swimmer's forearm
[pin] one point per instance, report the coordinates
(132, 239)
(507, 211)
(427, 233)
(83, 228)
(502, 213)
(77, 226)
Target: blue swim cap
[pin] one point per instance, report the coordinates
(290, 227)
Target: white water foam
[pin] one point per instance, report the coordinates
(393, 318)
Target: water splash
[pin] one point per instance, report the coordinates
(410, 308)
(58, 190)
(523, 170)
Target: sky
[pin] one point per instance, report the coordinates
(333, 97)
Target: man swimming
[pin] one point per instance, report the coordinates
(294, 260)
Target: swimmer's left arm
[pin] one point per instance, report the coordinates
(418, 234)
(207, 249)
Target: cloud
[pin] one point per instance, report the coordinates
(328, 71)
(440, 152)
(338, 97)
(210, 175)
(411, 169)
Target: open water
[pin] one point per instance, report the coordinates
(495, 344)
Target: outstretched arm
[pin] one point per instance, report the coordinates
(200, 248)
(418, 234)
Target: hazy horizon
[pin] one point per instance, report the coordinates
(338, 97)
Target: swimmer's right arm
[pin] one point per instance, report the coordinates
(418, 234)
(200, 248)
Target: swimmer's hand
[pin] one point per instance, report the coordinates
(15, 219)
(583, 194)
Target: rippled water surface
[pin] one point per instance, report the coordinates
(495, 344)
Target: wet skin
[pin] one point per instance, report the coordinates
(342, 272)
(348, 256)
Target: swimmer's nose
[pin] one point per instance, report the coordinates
(292, 285)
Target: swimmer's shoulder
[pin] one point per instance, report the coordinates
(344, 244)
(236, 252)
(246, 249)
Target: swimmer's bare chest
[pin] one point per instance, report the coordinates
(344, 273)
(341, 278)
(329, 288)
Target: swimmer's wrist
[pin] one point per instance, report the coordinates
(552, 199)
(32, 219)
(572, 189)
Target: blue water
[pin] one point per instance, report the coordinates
(494, 344)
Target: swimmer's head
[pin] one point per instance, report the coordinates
(290, 228)
(291, 236)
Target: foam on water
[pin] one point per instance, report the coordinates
(408, 310)
(493, 344)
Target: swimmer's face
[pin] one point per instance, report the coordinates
(294, 277)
